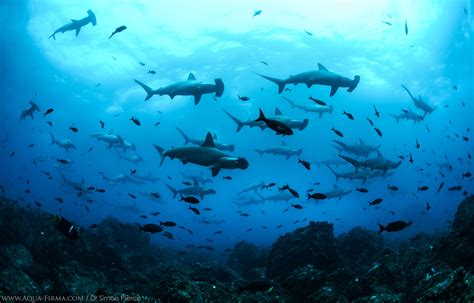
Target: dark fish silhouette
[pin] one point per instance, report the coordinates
(306, 164)
(49, 111)
(406, 27)
(279, 127)
(349, 115)
(118, 30)
(135, 121)
(317, 101)
(394, 226)
(337, 132)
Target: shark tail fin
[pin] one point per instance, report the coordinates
(185, 137)
(173, 190)
(148, 90)
(161, 151)
(239, 123)
(354, 83)
(381, 228)
(281, 84)
(334, 172)
(53, 140)
(219, 87)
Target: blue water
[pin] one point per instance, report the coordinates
(224, 40)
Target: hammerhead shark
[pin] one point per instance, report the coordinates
(322, 76)
(190, 87)
(76, 24)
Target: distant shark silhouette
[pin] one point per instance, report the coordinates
(190, 87)
(76, 24)
(322, 76)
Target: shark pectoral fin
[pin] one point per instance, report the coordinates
(215, 171)
(333, 90)
(77, 31)
(309, 84)
(197, 98)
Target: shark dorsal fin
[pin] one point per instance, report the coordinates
(322, 67)
(191, 77)
(379, 154)
(209, 142)
(278, 112)
(73, 20)
(361, 141)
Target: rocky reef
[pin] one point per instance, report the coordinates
(309, 264)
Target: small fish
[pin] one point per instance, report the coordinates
(378, 131)
(49, 123)
(386, 22)
(132, 196)
(376, 112)
(370, 121)
(91, 188)
(133, 171)
(187, 183)
(467, 175)
(417, 144)
(31, 145)
(218, 232)
(38, 204)
(143, 217)
(348, 115)
(337, 132)
(308, 33)
(316, 196)
(465, 11)
(152, 72)
(63, 161)
(118, 30)
(102, 124)
(207, 209)
(168, 223)
(151, 228)
(455, 188)
(101, 190)
(411, 159)
(98, 84)
(156, 195)
(90, 149)
(189, 199)
(142, 64)
(60, 200)
(362, 190)
(257, 13)
(227, 177)
(263, 62)
(157, 123)
(154, 214)
(376, 201)
(93, 226)
(244, 214)
(306, 164)
(49, 111)
(279, 226)
(73, 129)
(12, 154)
(317, 101)
(243, 98)
(136, 121)
(406, 27)
(423, 188)
(428, 206)
(297, 206)
(195, 210)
